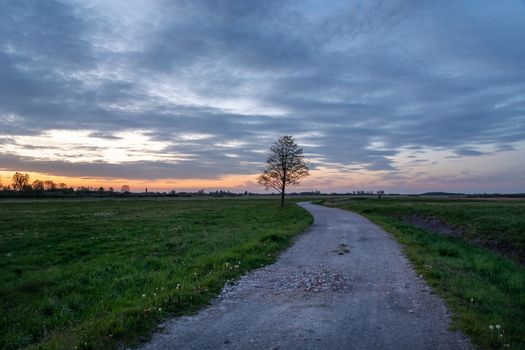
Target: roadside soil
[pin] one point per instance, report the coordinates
(344, 284)
(433, 224)
(437, 225)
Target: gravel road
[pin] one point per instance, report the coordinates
(344, 284)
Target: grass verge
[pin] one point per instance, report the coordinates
(102, 274)
(480, 287)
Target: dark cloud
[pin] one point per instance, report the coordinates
(103, 135)
(469, 152)
(356, 82)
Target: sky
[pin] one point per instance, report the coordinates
(403, 96)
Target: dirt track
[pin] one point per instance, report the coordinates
(344, 284)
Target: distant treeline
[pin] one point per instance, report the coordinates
(21, 187)
(473, 195)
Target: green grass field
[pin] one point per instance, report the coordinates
(99, 273)
(480, 286)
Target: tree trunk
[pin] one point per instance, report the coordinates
(282, 196)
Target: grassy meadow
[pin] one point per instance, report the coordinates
(99, 274)
(477, 268)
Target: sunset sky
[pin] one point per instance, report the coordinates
(405, 96)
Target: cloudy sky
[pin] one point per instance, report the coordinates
(407, 96)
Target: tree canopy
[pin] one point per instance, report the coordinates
(285, 166)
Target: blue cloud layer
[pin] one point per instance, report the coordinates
(357, 82)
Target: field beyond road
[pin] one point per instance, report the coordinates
(471, 252)
(95, 274)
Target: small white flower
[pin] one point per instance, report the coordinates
(160, 309)
(471, 300)
(143, 295)
(491, 327)
(501, 335)
(498, 326)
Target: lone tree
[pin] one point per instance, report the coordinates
(20, 181)
(285, 166)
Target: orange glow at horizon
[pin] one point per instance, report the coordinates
(322, 179)
(438, 171)
(139, 185)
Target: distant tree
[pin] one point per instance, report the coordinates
(285, 166)
(62, 186)
(100, 189)
(125, 189)
(380, 194)
(49, 185)
(38, 186)
(111, 190)
(20, 181)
